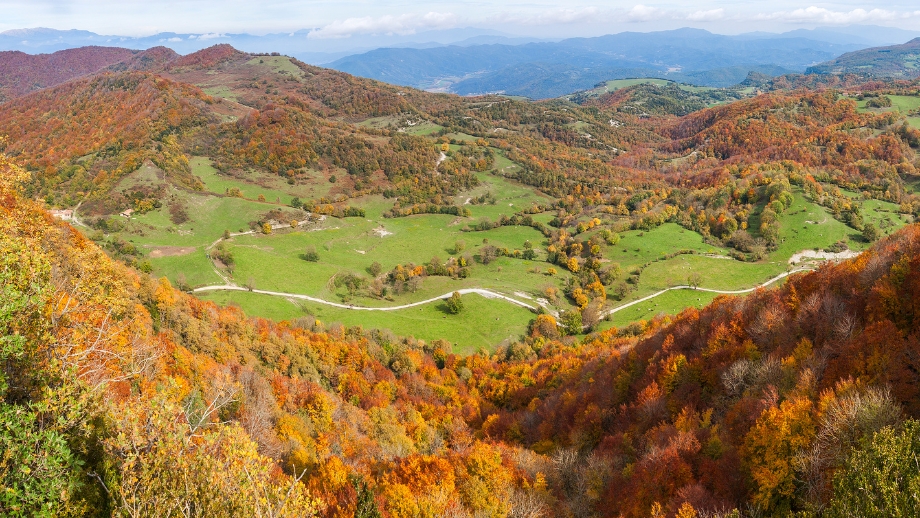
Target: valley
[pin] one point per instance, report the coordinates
(236, 284)
(245, 195)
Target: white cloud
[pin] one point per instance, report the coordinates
(711, 15)
(389, 24)
(555, 16)
(821, 15)
(644, 13)
(211, 36)
(171, 40)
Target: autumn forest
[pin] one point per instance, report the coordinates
(236, 284)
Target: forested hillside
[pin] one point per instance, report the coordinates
(21, 73)
(893, 62)
(281, 290)
(125, 396)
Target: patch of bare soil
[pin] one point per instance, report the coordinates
(170, 251)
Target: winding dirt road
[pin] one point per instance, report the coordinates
(485, 293)
(722, 292)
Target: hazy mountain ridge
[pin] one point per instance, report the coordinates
(895, 62)
(541, 70)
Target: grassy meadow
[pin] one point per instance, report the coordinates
(275, 262)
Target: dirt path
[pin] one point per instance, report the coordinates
(485, 293)
(721, 292)
(230, 286)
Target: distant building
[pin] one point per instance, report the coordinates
(127, 213)
(65, 215)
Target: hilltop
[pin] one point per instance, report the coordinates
(892, 62)
(22, 73)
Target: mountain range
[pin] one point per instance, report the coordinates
(894, 62)
(551, 69)
(473, 60)
(298, 44)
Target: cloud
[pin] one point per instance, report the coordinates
(389, 24)
(814, 14)
(821, 15)
(556, 16)
(211, 36)
(711, 15)
(644, 13)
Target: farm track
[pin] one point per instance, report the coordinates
(230, 286)
(721, 292)
(488, 294)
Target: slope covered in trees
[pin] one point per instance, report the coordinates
(127, 396)
(220, 125)
(21, 73)
(893, 62)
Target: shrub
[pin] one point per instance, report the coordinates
(454, 303)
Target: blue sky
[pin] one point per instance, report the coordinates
(347, 18)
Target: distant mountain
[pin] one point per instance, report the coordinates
(550, 69)
(868, 35)
(893, 62)
(21, 73)
(300, 44)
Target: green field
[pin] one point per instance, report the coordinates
(350, 246)
(900, 103)
(278, 65)
(422, 128)
(482, 324)
(223, 92)
(669, 303)
(275, 262)
(310, 184)
(618, 84)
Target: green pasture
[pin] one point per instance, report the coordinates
(637, 248)
(715, 273)
(210, 216)
(510, 196)
(195, 266)
(900, 103)
(884, 215)
(483, 323)
(462, 136)
(422, 128)
(670, 303)
(274, 187)
(147, 175)
(278, 65)
(619, 84)
(807, 226)
(351, 245)
(222, 91)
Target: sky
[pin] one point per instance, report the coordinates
(340, 19)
